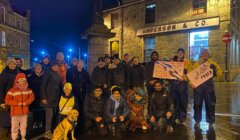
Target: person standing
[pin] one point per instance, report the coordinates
(51, 88)
(7, 78)
(72, 68)
(136, 71)
(45, 62)
(62, 67)
(205, 92)
(179, 89)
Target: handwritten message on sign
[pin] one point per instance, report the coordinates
(168, 70)
(200, 75)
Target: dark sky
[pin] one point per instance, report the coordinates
(57, 25)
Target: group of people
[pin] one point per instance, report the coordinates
(110, 100)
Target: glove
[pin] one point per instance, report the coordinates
(213, 67)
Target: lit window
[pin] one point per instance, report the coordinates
(149, 47)
(150, 13)
(114, 46)
(199, 6)
(114, 20)
(3, 39)
(198, 42)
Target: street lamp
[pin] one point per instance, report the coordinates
(42, 52)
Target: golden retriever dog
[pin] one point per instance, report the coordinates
(68, 124)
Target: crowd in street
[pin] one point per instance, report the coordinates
(117, 96)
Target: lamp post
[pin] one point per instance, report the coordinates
(226, 38)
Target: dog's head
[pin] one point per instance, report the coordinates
(73, 115)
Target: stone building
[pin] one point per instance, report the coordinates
(142, 26)
(14, 33)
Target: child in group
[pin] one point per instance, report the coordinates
(67, 102)
(136, 101)
(116, 111)
(19, 98)
(160, 107)
(94, 111)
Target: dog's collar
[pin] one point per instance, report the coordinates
(73, 123)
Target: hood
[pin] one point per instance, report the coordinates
(20, 87)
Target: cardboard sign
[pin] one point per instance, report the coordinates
(200, 75)
(168, 70)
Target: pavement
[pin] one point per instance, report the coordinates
(227, 125)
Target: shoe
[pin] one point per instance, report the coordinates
(169, 129)
(48, 135)
(197, 126)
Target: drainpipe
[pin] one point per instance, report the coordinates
(122, 20)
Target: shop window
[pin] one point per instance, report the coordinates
(149, 47)
(199, 6)
(114, 20)
(198, 42)
(114, 47)
(3, 39)
(150, 13)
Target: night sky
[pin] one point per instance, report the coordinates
(57, 25)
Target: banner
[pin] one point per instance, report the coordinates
(168, 70)
(200, 75)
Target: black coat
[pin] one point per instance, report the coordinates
(137, 75)
(51, 88)
(122, 110)
(7, 79)
(93, 107)
(149, 68)
(119, 76)
(99, 76)
(160, 103)
(70, 71)
(35, 83)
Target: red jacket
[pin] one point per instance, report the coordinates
(15, 96)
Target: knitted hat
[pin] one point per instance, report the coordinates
(180, 50)
(139, 92)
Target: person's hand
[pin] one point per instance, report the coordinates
(152, 119)
(102, 125)
(3, 105)
(121, 118)
(24, 104)
(114, 119)
(44, 101)
(168, 114)
(181, 78)
(98, 119)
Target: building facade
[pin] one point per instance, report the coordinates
(142, 26)
(14, 33)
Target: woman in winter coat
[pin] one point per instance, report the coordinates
(35, 81)
(7, 78)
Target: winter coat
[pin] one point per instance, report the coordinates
(45, 67)
(7, 78)
(70, 71)
(15, 96)
(63, 72)
(122, 110)
(160, 102)
(99, 76)
(149, 68)
(137, 76)
(51, 88)
(35, 83)
(120, 76)
(94, 107)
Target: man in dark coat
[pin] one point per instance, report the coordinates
(136, 74)
(51, 89)
(94, 111)
(120, 76)
(7, 79)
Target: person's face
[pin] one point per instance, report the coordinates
(180, 54)
(135, 61)
(126, 57)
(138, 97)
(67, 91)
(157, 86)
(55, 68)
(101, 64)
(116, 95)
(12, 66)
(107, 60)
(38, 69)
(74, 63)
(22, 81)
(19, 63)
(46, 61)
(116, 61)
(97, 92)
(154, 56)
(79, 65)
(205, 55)
(60, 58)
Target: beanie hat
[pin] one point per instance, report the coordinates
(180, 50)
(139, 92)
(115, 88)
(67, 85)
(100, 59)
